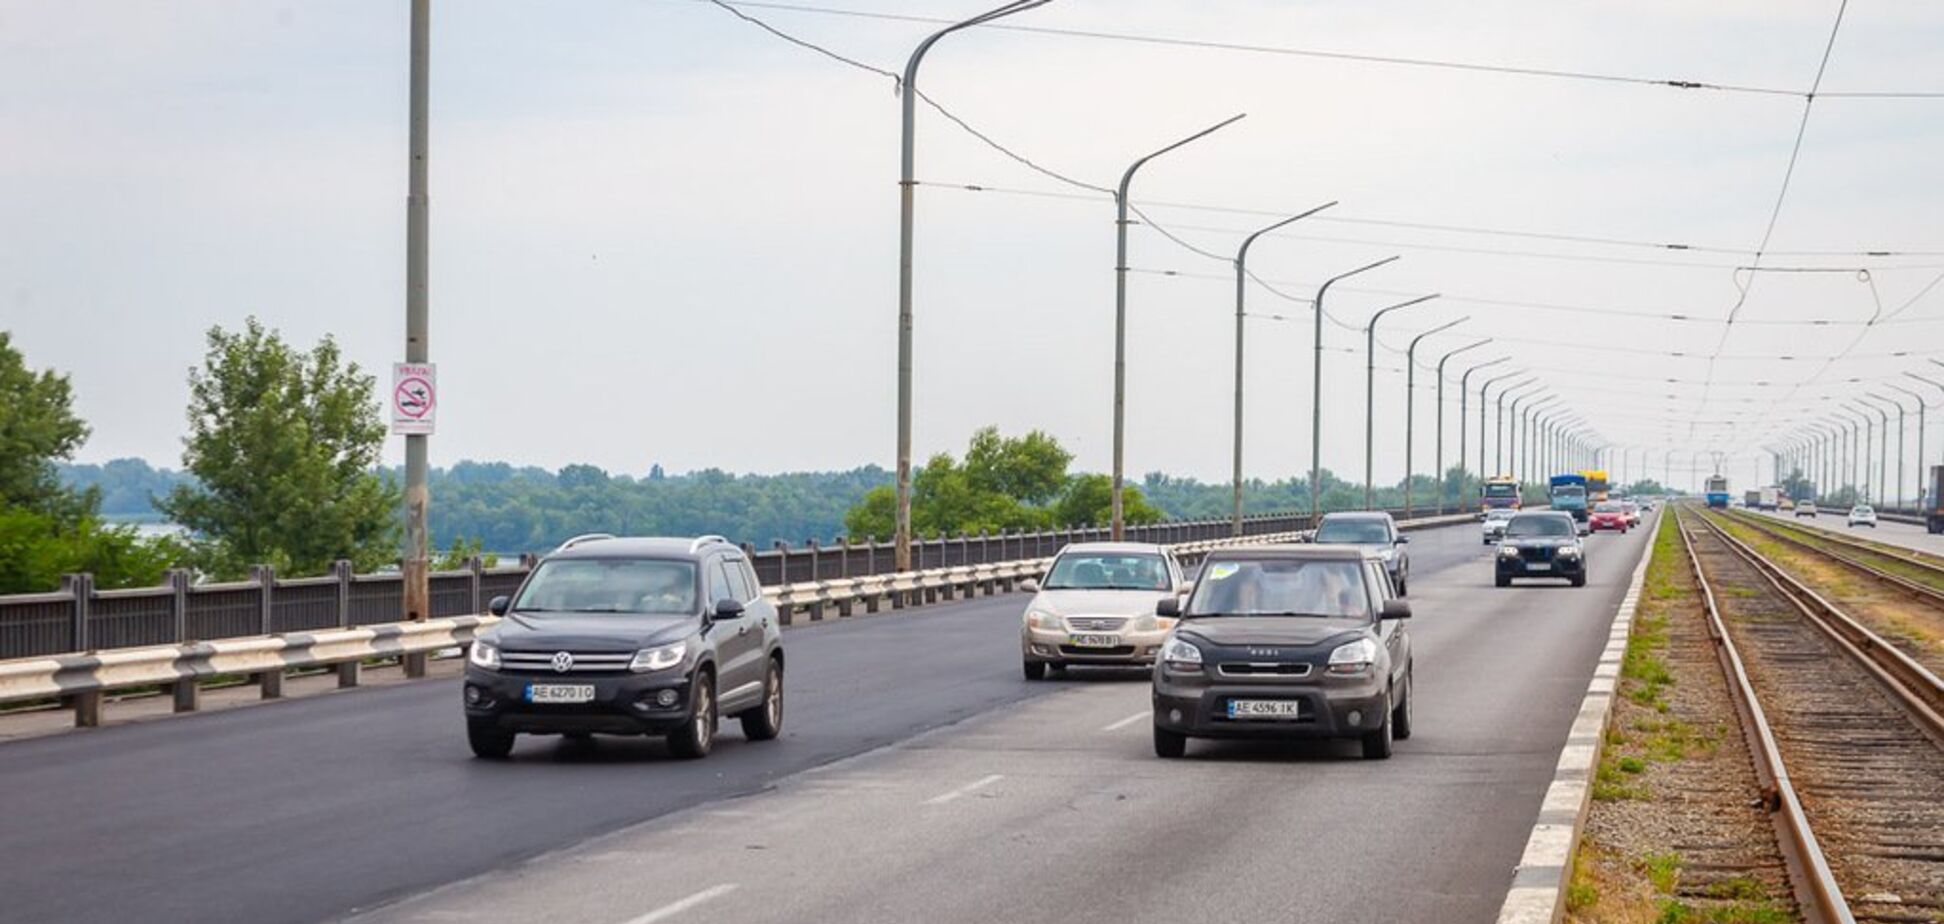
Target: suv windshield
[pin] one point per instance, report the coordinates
(1108, 571)
(1547, 525)
(610, 585)
(1353, 532)
(1281, 587)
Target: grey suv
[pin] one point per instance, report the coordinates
(1285, 642)
(629, 637)
(1374, 530)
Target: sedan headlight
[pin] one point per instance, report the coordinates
(1353, 657)
(1040, 619)
(1181, 653)
(1508, 550)
(484, 655)
(1147, 622)
(659, 658)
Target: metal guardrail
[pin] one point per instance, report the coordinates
(81, 680)
(80, 617)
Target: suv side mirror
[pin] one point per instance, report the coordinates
(1401, 539)
(727, 608)
(1029, 585)
(1184, 588)
(1395, 609)
(499, 605)
(1169, 607)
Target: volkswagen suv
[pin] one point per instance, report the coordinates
(629, 637)
(1286, 642)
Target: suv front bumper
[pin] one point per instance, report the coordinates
(1332, 707)
(1515, 568)
(623, 703)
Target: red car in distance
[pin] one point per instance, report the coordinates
(1607, 515)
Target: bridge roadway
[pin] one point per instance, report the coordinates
(919, 777)
(1908, 535)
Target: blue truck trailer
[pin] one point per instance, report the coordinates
(1568, 493)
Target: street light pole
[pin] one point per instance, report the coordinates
(1316, 385)
(1464, 396)
(1901, 427)
(1241, 289)
(1120, 317)
(1506, 463)
(1437, 457)
(1883, 456)
(907, 182)
(1370, 390)
(1923, 473)
(1498, 451)
(416, 568)
(1525, 441)
(1410, 399)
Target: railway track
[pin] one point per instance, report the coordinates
(1845, 733)
(1919, 573)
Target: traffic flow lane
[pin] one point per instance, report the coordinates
(1890, 532)
(1057, 809)
(306, 809)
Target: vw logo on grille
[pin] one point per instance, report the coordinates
(1262, 652)
(562, 662)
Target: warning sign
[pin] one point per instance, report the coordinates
(415, 398)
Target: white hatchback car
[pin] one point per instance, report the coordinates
(1096, 606)
(1494, 527)
(1862, 515)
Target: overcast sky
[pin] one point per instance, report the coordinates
(660, 234)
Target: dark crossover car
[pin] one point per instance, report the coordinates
(1372, 530)
(1541, 544)
(1286, 642)
(629, 637)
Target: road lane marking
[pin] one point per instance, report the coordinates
(674, 908)
(1136, 717)
(943, 798)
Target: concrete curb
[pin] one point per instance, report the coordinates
(1538, 891)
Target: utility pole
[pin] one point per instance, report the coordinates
(1120, 318)
(1437, 456)
(416, 567)
(1316, 387)
(1241, 291)
(907, 183)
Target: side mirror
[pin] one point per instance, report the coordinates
(1184, 588)
(499, 605)
(728, 609)
(1403, 539)
(1029, 585)
(1395, 609)
(1169, 607)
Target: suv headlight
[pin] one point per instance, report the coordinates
(484, 655)
(1508, 550)
(1041, 619)
(660, 658)
(1569, 551)
(1353, 657)
(1179, 652)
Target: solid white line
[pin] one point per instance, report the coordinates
(674, 908)
(1136, 717)
(962, 790)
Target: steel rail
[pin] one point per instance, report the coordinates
(1802, 854)
(1911, 685)
(1918, 557)
(1921, 591)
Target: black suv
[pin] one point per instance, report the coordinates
(1541, 544)
(629, 637)
(1286, 642)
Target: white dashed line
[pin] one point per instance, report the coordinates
(1136, 717)
(971, 787)
(674, 908)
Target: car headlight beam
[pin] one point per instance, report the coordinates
(1181, 653)
(659, 658)
(1353, 657)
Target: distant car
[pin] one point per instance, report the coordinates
(1607, 515)
(1541, 544)
(1632, 510)
(629, 637)
(1286, 642)
(1862, 515)
(1806, 509)
(1785, 504)
(1375, 531)
(1495, 521)
(1096, 606)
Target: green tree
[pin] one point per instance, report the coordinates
(1031, 469)
(37, 426)
(1089, 501)
(283, 445)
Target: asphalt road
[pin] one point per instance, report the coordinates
(315, 809)
(1908, 535)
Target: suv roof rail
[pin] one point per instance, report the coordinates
(711, 539)
(584, 537)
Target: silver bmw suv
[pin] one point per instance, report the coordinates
(1095, 605)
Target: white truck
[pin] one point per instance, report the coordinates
(1769, 499)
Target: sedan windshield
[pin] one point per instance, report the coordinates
(610, 585)
(1608, 507)
(1547, 525)
(1353, 532)
(1108, 571)
(1331, 589)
